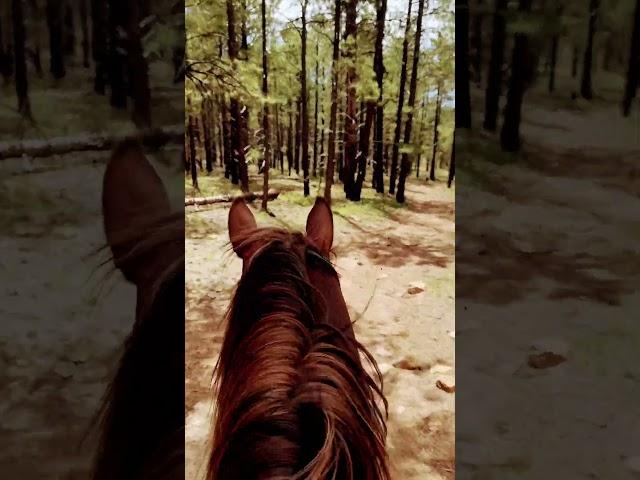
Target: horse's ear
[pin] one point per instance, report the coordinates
(320, 225)
(241, 220)
(132, 196)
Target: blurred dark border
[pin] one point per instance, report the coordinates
(77, 79)
(547, 201)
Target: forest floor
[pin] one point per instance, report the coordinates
(64, 318)
(382, 251)
(571, 287)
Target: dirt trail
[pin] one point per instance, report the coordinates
(380, 256)
(570, 288)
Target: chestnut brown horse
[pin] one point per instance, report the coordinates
(293, 398)
(141, 422)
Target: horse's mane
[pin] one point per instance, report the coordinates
(141, 419)
(294, 400)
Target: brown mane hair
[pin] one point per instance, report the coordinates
(294, 400)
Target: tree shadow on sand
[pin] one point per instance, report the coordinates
(501, 273)
(391, 251)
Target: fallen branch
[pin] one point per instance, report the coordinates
(250, 197)
(153, 138)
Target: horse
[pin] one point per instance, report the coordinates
(141, 420)
(294, 400)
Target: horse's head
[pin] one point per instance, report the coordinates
(313, 250)
(294, 399)
(142, 415)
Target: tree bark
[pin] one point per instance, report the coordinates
(477, 40)
(209, 140)
(290, 140)
(378, 67)
(436, 134)
(249, 197)
(265, 114)
(510, 133)
(586, 89)
(84, 25)
(298, 137)
(117, 60)
(55, 27)
(552, 62)
(452, 163)
(331, 148)
(633, 70)
(239, 171)
(69, 30)
(422, 121)
(138, 68)
(351, 118)
(574, 62)
(228, 143)
(99, 44)
(315, 114)
(305, 102)
(398, 127)
(153, 138)
(405, 166)
(323, 161)
(494, 82)
(192, 151)
(463, 95)
(19, 40)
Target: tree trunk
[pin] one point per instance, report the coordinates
(463, 96)
(153, 138)
(138, 68)
(494, 82)
(477, 40)
(323, 162)
(331, 148)
(452, 163)
(363, 150)
(422, 121)
(351, 116)
(290, 140)
(436, 134)
(19, 40)
(69, 31)
(315, 114)
(552, 62)
(209, 141)
(510, 133)
(265, 114)
(249, 197)
(586, 89)
(405, 166)
(398, 127)
(117, 59)
(228, 143)
(633, 70)
(99, 44)
(574, 62)
(55, 27)
(304, 102)
(237, 128)
(278, 157)
(378, 67)
(296, 154)
(84, 25)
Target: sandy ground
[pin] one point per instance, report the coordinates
(380, 256)
(570, 287)
(63, 317)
